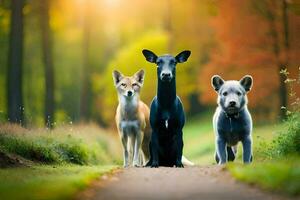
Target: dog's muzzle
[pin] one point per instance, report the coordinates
(166, 76)
(232, 110)
(129, 93)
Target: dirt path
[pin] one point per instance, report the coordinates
(207, 183)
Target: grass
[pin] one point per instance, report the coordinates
(61, 162)
(47, 182)
(70, 144)
(199, 140)
(287, 141)
(280, 175)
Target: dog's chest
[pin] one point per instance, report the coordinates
(165, 119)
(232, 129)
(129, 126)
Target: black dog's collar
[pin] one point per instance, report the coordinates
(230, 117)
(235, 116)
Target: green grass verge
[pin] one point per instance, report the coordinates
(70, 144)
(47, 182)
(281, 175)
(52, 174)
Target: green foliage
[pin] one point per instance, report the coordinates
(48, 182)
(279, 175)
(129, 60)
(33, 150)
(60, 146)
(74, 152)
(287, 142)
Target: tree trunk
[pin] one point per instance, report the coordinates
(284, 63)
(282, 90)
(48, 62)
(85, 87)
(285, 24)
(15, 61)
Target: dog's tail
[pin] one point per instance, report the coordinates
(186, 162)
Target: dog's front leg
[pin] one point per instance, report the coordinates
(247, 149)
(179, 149)
(221, 150)
(154, 149)
(124, 139)
(137, 147)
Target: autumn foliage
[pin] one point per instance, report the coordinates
(245, 46)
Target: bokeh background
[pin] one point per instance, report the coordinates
(65, 51)
(56, 86)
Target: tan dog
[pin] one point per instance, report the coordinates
(132, 118)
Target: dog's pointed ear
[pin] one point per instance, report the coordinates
(183, 56)
(149, 55)
(117, 76)
(139, 76)
(247, 82)
(217, 82)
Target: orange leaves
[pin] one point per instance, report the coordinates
(244, 46)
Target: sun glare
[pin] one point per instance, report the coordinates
(111, 3)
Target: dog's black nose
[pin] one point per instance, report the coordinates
(166, 75)
(232, 103)
(129, 93)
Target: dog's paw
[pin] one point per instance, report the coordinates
(154, 165)
(222, 163)
(148, 164)
(179, 165)
(125, 165)
(136, 165)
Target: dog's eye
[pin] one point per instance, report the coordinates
(239, 94)
(123, 84)
(135, 84)
(225, 93)
(172, 62)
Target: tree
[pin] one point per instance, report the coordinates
(15, 62)
(284, 64)
(270, 10)
(254, 37)
(48, 63)
(279, 16)
(243, 47)
(85, 87)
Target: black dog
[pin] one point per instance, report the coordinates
(166, 114)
